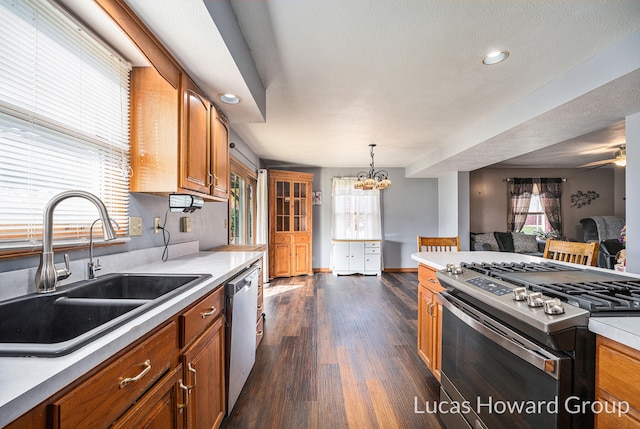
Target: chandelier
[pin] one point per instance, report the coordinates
(372, 179)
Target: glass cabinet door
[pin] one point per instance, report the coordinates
(283, 206)
(291, 206)
(299, 206)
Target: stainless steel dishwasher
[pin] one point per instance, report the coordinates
(241, 303)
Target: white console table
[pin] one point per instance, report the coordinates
(356, 257)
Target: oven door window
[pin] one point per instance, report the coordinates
(504, 390)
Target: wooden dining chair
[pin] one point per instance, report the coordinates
(570, 251)
(438, 244)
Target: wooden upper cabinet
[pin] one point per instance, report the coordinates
(179, 142)
(220, 154)
(195, 172)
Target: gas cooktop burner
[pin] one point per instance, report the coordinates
(595, 291)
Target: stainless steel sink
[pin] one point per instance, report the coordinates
(58, 323)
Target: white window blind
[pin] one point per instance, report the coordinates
(64, 124)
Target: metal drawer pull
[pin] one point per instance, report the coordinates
(193, 370)
(186, 395)
(125, 381)
(260, 308)
(433, 281)
(212, 310)
(259, 333)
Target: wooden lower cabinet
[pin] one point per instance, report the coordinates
(429, 320)
(617, 385)
(160, 408)
(204, 369)
(103, 398)
(172, 378)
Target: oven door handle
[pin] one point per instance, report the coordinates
(538, 356)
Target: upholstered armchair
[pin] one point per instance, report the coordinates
(606, 231)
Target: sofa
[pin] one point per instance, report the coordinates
(515, 242)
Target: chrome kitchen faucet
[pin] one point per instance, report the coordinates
(47, 274)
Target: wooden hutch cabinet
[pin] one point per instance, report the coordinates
(290, 223)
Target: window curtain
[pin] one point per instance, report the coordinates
(550, 197)
(356, 213)
(520, 191)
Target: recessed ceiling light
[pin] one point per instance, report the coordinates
(495, 57)
(229, 98)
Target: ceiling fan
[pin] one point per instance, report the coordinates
(620, 159)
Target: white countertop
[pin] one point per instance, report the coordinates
(439, 260)
(27, 381)
(625, 330)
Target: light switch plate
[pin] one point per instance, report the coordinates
(135, 226)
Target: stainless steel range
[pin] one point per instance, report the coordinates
(516, 349)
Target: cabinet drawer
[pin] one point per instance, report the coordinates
(301, 239)
(108, 394)
(372, 244)
(427, 277)
(259, 331)
(282, 238)
(618, 371)
(195, 320)
(372, 250)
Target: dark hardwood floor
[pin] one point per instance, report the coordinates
(338, 352)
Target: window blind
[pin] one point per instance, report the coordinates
(64, 124)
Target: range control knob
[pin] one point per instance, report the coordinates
(520, 294)
(553, 306)
(535, 299)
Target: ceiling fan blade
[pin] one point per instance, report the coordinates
(597, 163)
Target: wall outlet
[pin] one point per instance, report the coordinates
(135, 226)
(156, 225)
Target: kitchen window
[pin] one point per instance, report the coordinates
(242, 204)
(64, 124)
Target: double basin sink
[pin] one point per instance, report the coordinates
(57, 323)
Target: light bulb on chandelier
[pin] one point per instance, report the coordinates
(372, 179)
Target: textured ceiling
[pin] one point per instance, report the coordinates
(408, 77)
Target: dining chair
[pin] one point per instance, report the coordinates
(571, 251)
(438, 244)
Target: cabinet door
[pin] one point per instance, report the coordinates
(160, 408)
(424, 324)
(356, 259)
(195, 173)
(204, 371)
(372, 262)
(280, 260)
(341, 255)
(301, 256)
(220, 155)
